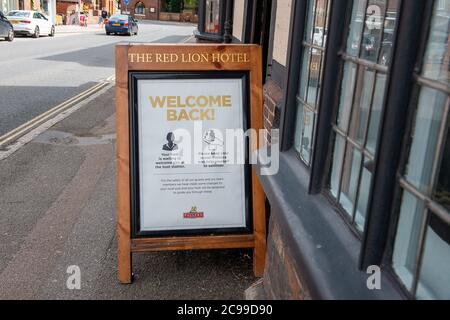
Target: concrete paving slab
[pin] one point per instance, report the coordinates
(58, 209)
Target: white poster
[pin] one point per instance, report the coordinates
(187, 178)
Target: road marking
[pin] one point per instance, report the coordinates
(188, 39)
(16, 138)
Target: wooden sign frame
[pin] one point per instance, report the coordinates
(184, 58)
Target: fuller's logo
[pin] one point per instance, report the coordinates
(194, 214)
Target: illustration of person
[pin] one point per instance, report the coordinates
(212, 140)
(170, 145)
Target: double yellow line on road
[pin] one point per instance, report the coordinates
(23, 129)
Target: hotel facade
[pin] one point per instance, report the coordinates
(359, 93)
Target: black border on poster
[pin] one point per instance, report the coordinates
(134, 77)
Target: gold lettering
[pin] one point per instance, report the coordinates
(202, 101)
(140, 57)
(183, 116)
(215, 101)
(192, 117)
(226, 101)
(196, 58)
(172, 102)
(172, 115)
(227, 58)
(179, 103)
(215, 57)
(188, 57)
(204, 115)
(190, 101)
(157, 101)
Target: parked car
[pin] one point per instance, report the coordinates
(121, 24)
(6, 28)
(31, 23)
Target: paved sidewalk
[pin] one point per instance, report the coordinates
(62, 29)
(57, 209)
(78, 29)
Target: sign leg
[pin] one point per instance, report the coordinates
(123, 168)
(124, 261)
(259, 218)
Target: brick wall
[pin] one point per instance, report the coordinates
(27, 5)
(281, 278)
(65, 7)
(273, 97)
(148, 15)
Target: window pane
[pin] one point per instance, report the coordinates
(375, 115)
(373, 29)
(371, 35)
(314, 73)
(309, 22)
(363, 198)
(427, 169)
(338, 156)
(310, 76)
(304, 74)
(346, 100)
(361, 107)
(212, 16)
(320, 23)
(425, 135)
(434, 280)
(298, 130)
(350, 177)
(388, 33)
(307, 142)
(407, 238)
(437, 56)
(304, 133)
(379, 26)
(356, 27)
(442, 192)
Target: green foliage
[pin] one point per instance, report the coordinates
(174, 5)
(191, 4)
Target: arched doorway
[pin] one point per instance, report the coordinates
(139, 9)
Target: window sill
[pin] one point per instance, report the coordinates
(324, 249)
(208, 36)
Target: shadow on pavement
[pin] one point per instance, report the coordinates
(20, 104)
(58, 209)
(103, 56)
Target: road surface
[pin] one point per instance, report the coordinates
(38, 74)
(58, 192)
